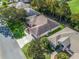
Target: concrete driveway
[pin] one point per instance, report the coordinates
(26, 39)
(9, 49)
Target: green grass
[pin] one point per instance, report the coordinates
(54, 31)
(24, 49)
(17, 28)
(74, 6)
(47, 56)
(4, 0)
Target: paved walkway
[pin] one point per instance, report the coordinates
(28, 38)
(53, 55)
(6, 32)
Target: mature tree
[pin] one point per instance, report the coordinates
(13, 13)
(37, 3)
(75, 21)
(63, 11)
(15, 19)
(45, 6)
(34, 50)
(8, 13)
(58, 9)
(37, 48)
(45, 45)
(53, 7)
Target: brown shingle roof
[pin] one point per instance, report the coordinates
(38, 20)
(43, 24)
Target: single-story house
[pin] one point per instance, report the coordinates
(40, 25)
(68, 40)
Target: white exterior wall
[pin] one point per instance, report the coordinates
(66, 42)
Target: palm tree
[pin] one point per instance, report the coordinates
(53, 6)
(37, 3)
(63, 11)
(75, 21)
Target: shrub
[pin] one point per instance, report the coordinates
(17, 27)
(62, 55)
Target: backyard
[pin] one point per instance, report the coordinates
(74, 6)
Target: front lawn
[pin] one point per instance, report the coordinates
(38, 49)
(24, 49)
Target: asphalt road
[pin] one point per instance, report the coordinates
(9, 49)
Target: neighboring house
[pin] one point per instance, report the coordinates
(68, 40)
(20, 5)
(40, 25)
(9, 48)
(31, 12)
(25, 1)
